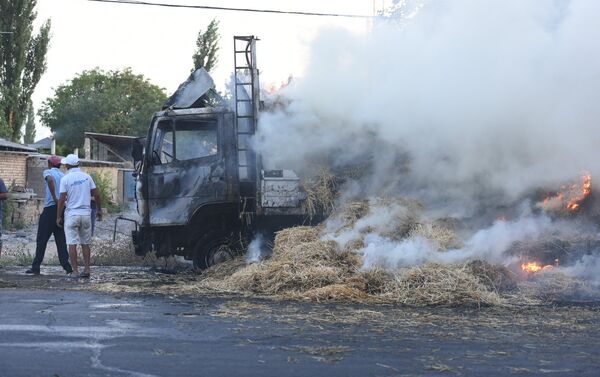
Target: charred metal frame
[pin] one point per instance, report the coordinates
(245, 65)
(188, 207)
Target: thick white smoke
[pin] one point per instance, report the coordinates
(587, 268)
(490, 243)
(464, 101)
(464, 105)
(255, 249)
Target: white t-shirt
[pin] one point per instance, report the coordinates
(77, 185)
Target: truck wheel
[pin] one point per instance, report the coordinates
(211, 251)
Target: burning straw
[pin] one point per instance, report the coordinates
(552, 285)
(304, 265)
(321, 193)
(308, 263)
(300, 262)
(438, 284)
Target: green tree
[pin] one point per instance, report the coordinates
(22, 62)
(3, 126)
(30, 125)
(113, 102)
(207, 47)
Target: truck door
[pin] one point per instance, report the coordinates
(187, 169)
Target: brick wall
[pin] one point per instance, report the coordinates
(35, 179)
(21, 213)
(13, 168)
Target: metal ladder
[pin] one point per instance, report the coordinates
(247, 101)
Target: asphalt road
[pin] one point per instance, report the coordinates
(79, 333)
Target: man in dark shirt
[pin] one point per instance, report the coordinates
(3, 197)
(47, 222)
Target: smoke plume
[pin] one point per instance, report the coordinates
(463, 105)
(256, 249)
(480, 98)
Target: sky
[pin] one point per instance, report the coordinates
(159, 42)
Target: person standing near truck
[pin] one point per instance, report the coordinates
(3, 197)
(47, 221)
(76, 190)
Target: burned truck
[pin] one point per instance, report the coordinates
(201, 190)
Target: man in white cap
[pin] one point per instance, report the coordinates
(77, 189)
(47, 223)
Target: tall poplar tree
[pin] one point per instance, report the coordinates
(22, 62)
(207, 47)
(29, 137)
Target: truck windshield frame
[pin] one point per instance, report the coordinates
(185, 139)
(196, 139)
(164, 148)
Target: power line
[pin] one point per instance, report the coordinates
(135, 2)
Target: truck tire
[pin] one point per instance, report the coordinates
(213, 249)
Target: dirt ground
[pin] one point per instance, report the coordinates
(110, 247)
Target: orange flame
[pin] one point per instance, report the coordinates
(532, 267)
(273, 88)
(570, 197)
(586, 188)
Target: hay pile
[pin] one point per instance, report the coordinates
(306, 265)
(326, 264)
(495, 277)
(319, 271)
(321, 193)
(391, 218)
(351, 212)
(442, 237)
(438, 284)
(300, 262)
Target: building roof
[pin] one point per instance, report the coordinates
(84, 162)
(6, 145)
(111, 139)
(45, 143)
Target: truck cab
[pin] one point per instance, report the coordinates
(189, 163)
(201, 190)
(187, 185)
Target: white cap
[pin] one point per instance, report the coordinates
(71, 159)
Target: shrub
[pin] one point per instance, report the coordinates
(105, 190)
(7, 210)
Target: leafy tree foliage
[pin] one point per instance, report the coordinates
(22, 62)
(29, 136)
(207, 47)
(113, 102)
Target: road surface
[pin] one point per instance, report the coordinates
(81, 333)
(52, 326)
